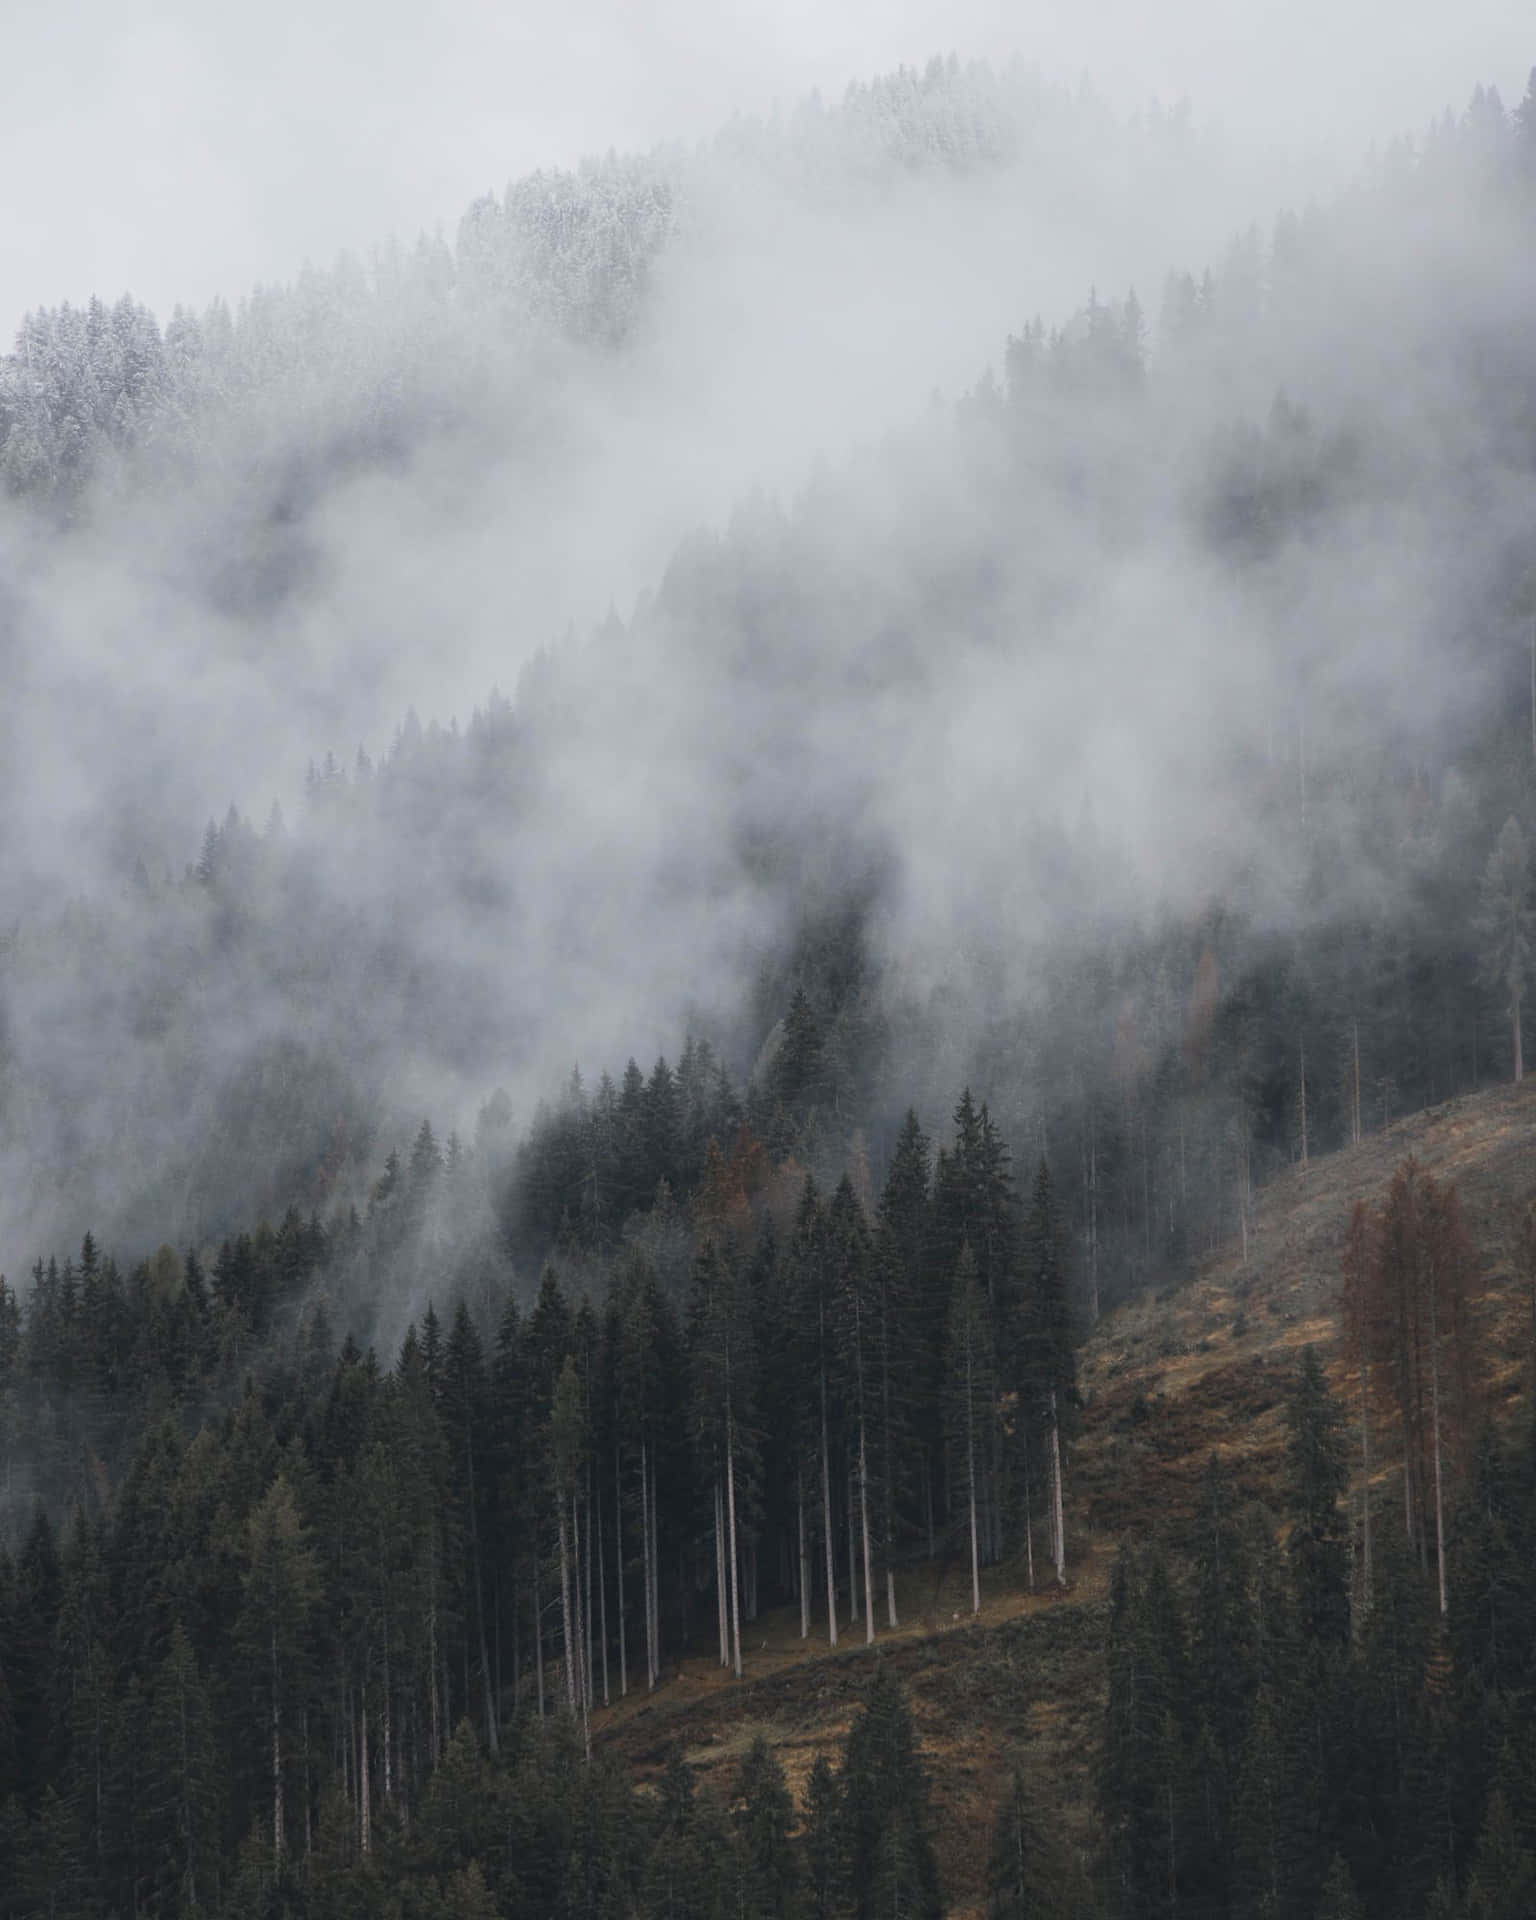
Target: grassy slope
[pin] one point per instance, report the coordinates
(1209, 1363)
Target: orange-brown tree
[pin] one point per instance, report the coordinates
(1409, 1275)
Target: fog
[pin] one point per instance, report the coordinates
(980, 663)
(191, 152)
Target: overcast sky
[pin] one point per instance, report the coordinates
(179, 148)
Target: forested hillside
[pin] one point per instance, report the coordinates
(629, 1176)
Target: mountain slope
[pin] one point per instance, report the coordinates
(1168, 1380)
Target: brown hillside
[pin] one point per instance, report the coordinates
(1167, 1380)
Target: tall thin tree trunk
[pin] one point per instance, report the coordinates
(583, 1639)
(602, 1591)
(1029, 1519)
(364, 1785)
(434, 1709)
(853, 1554)
(474, 1542)
(1519, 1056)
(618, 1563)
(1365, 1449)
(645, 1566)
(389, 1771)
(538, 1633)
(826, 1514)
(722, 1605)
(1304, 1106)
(566, 1622)
(730, 1489)
(1434, 1379)
(277, 1758)
(655, 1570)
(869, 1589)
(1354, 1106)
(805, 1558)
(970, 1470)
(587, 1637)
(1058, 1520)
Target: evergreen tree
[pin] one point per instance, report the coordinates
(970, 1398)
(1317, 1477)
(885, 1814)
(767, 1871)
(1504, 921)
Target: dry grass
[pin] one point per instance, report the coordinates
(1168, 1380)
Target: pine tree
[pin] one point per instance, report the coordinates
(1339, 1900)
(1047, 1367)
(281, 1589)
(856, 1308)
(567, 1451)
(826, 1869)
(885, 1813)
(1504, 921)
(183, 1780)
(970, 1396)
(1501, 1882)
(762, 1812)
(1316, 1480)
(1028, 1875)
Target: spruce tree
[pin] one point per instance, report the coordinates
(885, 1814)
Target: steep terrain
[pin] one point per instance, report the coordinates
(1166, 1380)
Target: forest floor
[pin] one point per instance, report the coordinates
(1187, 1370)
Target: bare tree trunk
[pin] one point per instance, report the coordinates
(730, 1490)
(389, 1772)
(1303, 1106)
(474, 1543)
(645, 1566)
(566, 1625)
(722, 1605)
(586, 1612)
(434, 1708)
(364, 1788)
(583, 1636)
(805, 1558)
(1058, 1522)
(277, 1758)
(869, 1590)
(853, 1557)
(1434, 1379)
(538, 1634)
(970, 1468)
(1519, 1056)
(655, 1573)
(1029, 1520)
(928, 1498)
(826, 1514)
(1365, 1449)
(602, 1590)
(1354, 1107)
(618, 1562)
